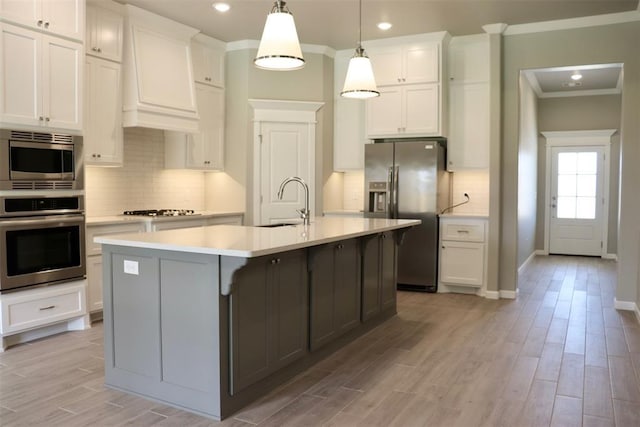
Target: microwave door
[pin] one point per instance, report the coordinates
(37, 161)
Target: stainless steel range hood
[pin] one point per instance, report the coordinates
(159, 90)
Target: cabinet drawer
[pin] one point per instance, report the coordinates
(29, 309)
(105, 230)
(463, 231)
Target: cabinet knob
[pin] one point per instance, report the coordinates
(399, 79)
(41, 118)
(46, 25)
(278, 261)
(273, 261)
(40, 22)
(404, 80)
(99, 155)
(100, 50)
(47, 119)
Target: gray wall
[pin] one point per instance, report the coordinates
(527, 172)
(244, 81)
(581, 113)
(594, 45)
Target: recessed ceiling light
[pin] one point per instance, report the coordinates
(221, 7)
(384, 26)
(576, 75)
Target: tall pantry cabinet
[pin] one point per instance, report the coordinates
(103, 134)
(41, 65)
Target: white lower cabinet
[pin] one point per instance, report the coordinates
(462, 254)
(23, 313)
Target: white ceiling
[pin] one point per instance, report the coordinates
(334, 23)
(601, 79)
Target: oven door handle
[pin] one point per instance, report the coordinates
(41, 220)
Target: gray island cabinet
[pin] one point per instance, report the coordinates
(209, 319)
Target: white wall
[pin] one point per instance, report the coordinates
(527, 171)
(142, 183)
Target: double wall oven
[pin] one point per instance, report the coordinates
(42, 219)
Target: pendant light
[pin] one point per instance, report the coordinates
(360, 82)
(279, 47)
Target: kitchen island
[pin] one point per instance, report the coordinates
(208, 319)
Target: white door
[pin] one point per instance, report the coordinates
(62, 65)
(284, 152)
(421, 109)
(577, 200)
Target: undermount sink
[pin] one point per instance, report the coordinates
(280, 224)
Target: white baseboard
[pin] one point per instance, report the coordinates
(526, 263)
(610, 256)
(541, 252)
(625, 305)
(492, 294)
(509, 294)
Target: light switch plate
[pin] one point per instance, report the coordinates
(131, 267)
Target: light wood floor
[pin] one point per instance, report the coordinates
(559, 355)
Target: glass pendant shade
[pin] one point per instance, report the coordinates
(279, 47)
(360, 82)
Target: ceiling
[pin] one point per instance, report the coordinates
(334, 23)
(602, 79)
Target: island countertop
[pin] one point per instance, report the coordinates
(248, 242)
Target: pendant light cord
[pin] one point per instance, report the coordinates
(360, 26)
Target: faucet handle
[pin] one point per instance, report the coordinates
(303, 213)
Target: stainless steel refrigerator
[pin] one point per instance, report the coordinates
(406, 178)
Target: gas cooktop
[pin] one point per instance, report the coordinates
(161, 212)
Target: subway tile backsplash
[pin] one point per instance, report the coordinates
(142, 183)
(353, 194)
(476, 184)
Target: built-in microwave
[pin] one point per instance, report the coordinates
(40, 161)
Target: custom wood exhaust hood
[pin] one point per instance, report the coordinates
(159, 90)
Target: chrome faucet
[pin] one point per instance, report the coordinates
(304, 213)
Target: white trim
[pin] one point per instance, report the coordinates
(542, 252)
(492, 295)
(625, 305)
(610, 256)
(494, 28)
(306, 48)
(570, 93)
(273, 110)
(526, 262)
(579, 138)
(509, 294)
(573, 23)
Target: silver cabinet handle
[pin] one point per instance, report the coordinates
(463, 231)
(41, 118)
(273, 261)
(47, 119)
(47, 308)
(40, 22)
(46, 25)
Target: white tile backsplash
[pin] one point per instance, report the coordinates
(476, 184)
(353, 193)
(142, 183)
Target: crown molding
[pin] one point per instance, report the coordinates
(573, 23)
(495, 28)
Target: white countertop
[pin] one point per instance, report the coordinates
(247, 242)
(117, 219)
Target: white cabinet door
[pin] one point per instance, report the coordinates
(208, 63)
(469, 58)
(387, 65)
(462, 263)
(20, 72)
(468, 144)
(94, 279)
(421, 108)
(104, 33)
(203, 150)
(60, 17)
(62, 64)
(40, 78)
(103, 135)
(349, 139)
(177, 224)
(384, 113)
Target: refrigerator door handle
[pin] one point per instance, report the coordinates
(390, 185)
(396, 172)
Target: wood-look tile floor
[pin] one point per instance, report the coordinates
(559, 355)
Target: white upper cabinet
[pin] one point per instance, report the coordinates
(159, 88)
(104, 32)
(203, 150)
(408, 73)
(208, 60)
(41, 78)
(411, 110)
(469, 103)
(411, 63)
(64, 18)
(103, 135)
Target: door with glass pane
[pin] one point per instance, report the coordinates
(575, 226)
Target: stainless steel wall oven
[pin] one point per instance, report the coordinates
(41, 240)
(40, 161)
